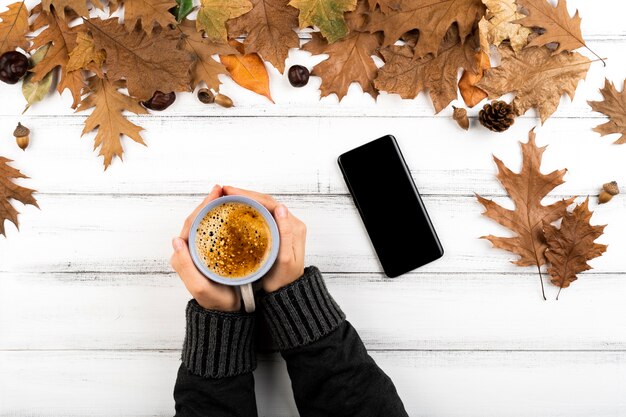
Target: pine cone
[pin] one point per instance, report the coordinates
(497, 116)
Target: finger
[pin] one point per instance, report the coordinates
(216, 192)
(285, 230)
(186, 269)
(264, 199)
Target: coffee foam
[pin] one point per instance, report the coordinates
(233, 240)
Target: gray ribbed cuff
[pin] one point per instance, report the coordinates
(301, 312)
(218, 344)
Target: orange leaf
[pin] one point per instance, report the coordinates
(249, 72)
(471, 94)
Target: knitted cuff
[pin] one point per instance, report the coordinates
(301, 312)
(218, 344)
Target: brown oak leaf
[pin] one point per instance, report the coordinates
(526, 189)
(572, 245)
(10, 190)
(558, 25)
(386, 6)
(614, 106)
(149, 12)
(408, 76)
(205, 68)
(108, 105)
(349, 59)
(63, 40)
(269, 28)
(537, 77)
(433, 18)
(140, 59)
(14, 27)
(64, 8)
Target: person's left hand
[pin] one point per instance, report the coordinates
(209, 294)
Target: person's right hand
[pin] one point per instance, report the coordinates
(289, 265)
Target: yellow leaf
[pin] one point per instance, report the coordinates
(498, 25)
(213, 15)
(85, 53)
(327, 15)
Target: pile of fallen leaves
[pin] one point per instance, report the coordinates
(111, 64)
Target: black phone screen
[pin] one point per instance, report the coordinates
(390, 206)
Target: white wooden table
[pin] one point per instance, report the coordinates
(91, 315)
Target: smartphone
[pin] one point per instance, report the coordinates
(390, 206)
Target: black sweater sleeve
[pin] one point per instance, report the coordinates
(215, 377)
(330, 370)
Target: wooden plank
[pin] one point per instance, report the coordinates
(298, 155)
(417, 311)
(132, 234)
(430, 383)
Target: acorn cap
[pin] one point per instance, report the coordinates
(611, 188)
(21, 131)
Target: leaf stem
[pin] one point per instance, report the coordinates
(598, 56)
(558, 293)
(543, 293)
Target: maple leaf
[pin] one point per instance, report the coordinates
(14, 27)
(327, 15)
(149, 12)
(64, 7)
(433, 18)
(499, 24)
(349, 59)
(213, 15)
(10, 190)
(558, 25)
(408, 76)
(614, 106)
(526, 189)
(572, 245)
(108, 105)
(140, 58)
(205, 68)
(537, 77)
(62, 39)
(248, 70)
(85, 55)
(269, 28)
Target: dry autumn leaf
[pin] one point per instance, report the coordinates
(471, 94)
(14, 27)
(572, 245)
(526, 189)
(614, 106)
(62, 39)
(108, 105)
(537, 77)
(10, 190)
(386, 6)
(64, 7)
(499, 24)
(559, 27)
(149, 12)
(269, 29)
(433, 18)
(349, 59)
(85, 55)
(327, 15)
(140, 59)
(205, 68)
(248, 70)
(408, 76)
(32, 91)
(213, 15)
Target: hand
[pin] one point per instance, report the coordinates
(208, 294)
(289, 265)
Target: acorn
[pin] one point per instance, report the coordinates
(22, 136)
(223, 100)
(609, 190)
(460, 116)
(206, 96)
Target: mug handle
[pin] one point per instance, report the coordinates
(247, 297)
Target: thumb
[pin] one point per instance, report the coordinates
(183, 264)
(285, 252)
